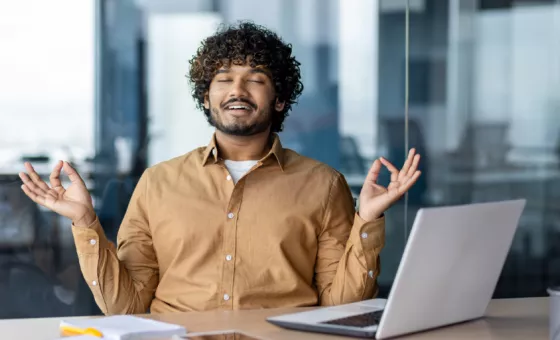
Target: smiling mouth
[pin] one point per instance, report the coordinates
(239, 107)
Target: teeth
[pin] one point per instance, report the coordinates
(238, 107)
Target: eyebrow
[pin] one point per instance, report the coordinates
(260, 70)
(222, 70)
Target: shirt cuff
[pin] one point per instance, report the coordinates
(89, 239)
(370, 235)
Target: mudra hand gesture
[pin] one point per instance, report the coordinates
(375, 198)
(73, 202)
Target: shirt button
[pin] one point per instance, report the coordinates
(364, 235)
(228, 258)
(228, 177)
(92, 242)
(230, 215)
(370, 273)
(94, 283)
(226, 297)
(214, 152)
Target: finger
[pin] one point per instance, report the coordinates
(394, 171)
(33, 196)
(72, 174)
(35, 177)
(373, 173)
(31, 185)
(414, 166)
(407, 163)
(408, 184)
(55, 175)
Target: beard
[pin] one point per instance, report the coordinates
(242, 129)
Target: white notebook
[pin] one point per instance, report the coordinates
(127, 327)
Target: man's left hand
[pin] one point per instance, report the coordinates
(375, 198)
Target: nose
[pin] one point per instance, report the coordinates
(238, 89)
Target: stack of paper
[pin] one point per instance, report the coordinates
(121, 327)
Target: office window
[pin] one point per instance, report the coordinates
(497, 133)
(47, 63)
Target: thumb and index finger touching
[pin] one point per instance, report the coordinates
(32, 177)
(375, 169)
(408, 171)
(72, 173)
(63, 166)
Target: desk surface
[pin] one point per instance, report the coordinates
(506, 319)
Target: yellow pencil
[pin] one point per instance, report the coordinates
(69, 330)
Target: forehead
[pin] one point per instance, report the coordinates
(243, 69)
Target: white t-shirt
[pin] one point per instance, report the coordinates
(238, 168)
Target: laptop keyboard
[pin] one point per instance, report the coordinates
(360, 320)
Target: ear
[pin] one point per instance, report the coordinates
(206, 101)
(279, 106)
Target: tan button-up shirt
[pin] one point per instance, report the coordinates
(286, 234)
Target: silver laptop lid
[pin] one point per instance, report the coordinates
(450, 266)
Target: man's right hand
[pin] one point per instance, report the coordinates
(74, 202)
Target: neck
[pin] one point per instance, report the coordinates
(243, 148)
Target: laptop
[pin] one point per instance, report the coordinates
(448, 273)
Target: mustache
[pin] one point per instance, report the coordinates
(243, 100)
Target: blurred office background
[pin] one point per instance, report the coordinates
(474, 87)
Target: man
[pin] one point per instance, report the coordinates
(243, 222)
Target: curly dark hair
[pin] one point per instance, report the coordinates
(234, 44)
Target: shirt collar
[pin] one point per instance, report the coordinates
(211, 152)
(277, 151)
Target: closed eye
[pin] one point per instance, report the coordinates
(224, 80)
(256, 81)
